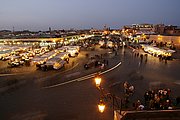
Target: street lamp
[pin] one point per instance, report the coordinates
(107, 96)
(101, 106)
(97, 81)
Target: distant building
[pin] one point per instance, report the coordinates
(140, 28)
(5, 34)
(148, 29)
(167, 30)
(159, 28)
(143, 27)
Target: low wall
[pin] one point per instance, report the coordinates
(149, 115)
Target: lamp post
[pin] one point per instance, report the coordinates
(106, 96)
(97, 81)
(101, 106)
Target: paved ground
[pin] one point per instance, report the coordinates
(150, 75)
(78, 100)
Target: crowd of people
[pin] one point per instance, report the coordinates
(140, 55)
(128, 89)
(158, 100)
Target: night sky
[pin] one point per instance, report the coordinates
(84, 14)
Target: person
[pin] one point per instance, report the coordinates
(126, 84)
(137, 104)
(137, 54)
(107, 62)
(146, 96)
(131, 89)
(126, 87)
(141, 107)
(67, 60)
(141, 56)
(102, 66)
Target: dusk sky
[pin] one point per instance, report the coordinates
(79, 14)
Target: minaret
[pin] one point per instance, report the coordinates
(49, 29)
(13, 29)
(105, 27)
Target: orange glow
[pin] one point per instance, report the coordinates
(101, 107)
(97, 81)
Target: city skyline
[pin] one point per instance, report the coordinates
(84, 14)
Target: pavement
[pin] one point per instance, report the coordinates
(72, 101)
(78, 100)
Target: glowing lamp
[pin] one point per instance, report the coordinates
(97, 81)
(101, 107)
